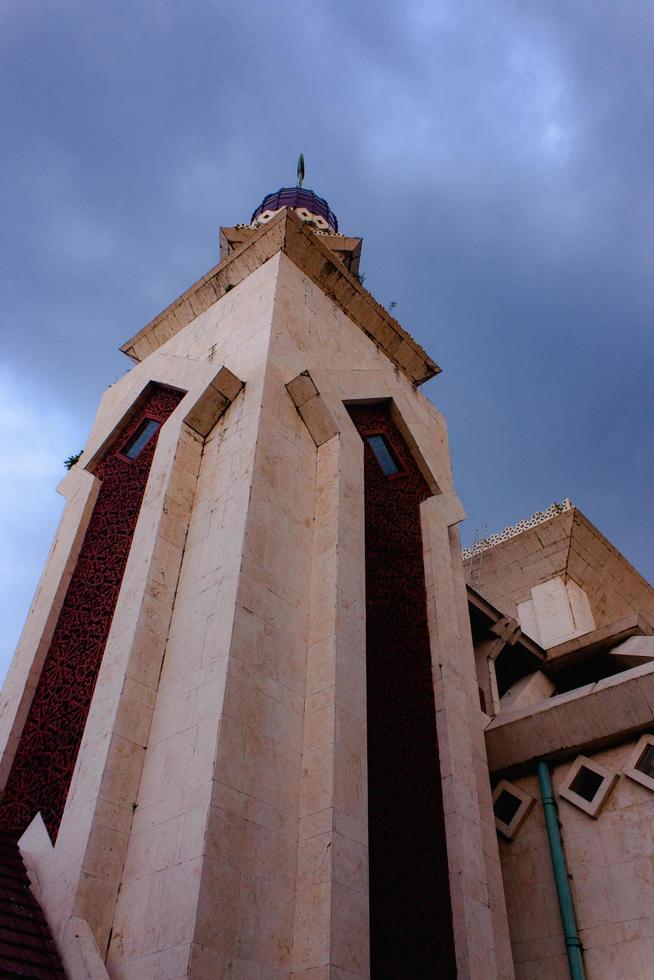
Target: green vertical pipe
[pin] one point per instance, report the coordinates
(566, 908)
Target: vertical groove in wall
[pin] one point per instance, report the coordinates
(43, 767)
(410, 910)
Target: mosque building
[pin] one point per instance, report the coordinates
(266, 720)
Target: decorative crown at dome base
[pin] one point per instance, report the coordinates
(306, 204)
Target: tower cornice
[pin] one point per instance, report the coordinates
(289, 234)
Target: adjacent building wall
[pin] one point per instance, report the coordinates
(611, 864)
(568, 548)
(511, 568)
(613, 586)
(82, 875)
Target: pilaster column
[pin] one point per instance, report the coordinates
(331, 906)
(480, 926)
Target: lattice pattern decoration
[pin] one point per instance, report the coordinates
(511, 532)
(43, 767)
(410, 911)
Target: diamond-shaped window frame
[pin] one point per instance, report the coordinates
(631, 769)
(526, 804)
(594, 806)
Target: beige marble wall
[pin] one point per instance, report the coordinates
(611, 864)
(83, 875)
(160, 910)
(331, 901)
(481, 929)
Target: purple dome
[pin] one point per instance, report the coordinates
(297, 197)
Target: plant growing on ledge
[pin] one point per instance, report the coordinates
(70, 462)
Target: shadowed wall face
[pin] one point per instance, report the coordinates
(43, 767)
(410, 911)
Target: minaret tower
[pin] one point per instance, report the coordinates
(241, 735)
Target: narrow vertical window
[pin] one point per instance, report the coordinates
(383, 454)
(137, 443)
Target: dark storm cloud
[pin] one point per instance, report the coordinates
(497, 158)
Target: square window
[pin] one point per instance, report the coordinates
(640, 765)
(506, 806)
(587, 785)
(511, 806)
(384, 454)
(139, 440)
(645, 763)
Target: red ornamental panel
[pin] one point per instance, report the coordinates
(43, 767)
(410, 912)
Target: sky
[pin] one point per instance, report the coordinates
(497, 159)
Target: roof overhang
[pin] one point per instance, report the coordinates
(289, 234)
(346, 248)
(588, 645)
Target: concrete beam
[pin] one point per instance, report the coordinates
(598, 714)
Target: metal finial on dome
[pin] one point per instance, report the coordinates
(307, 205)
